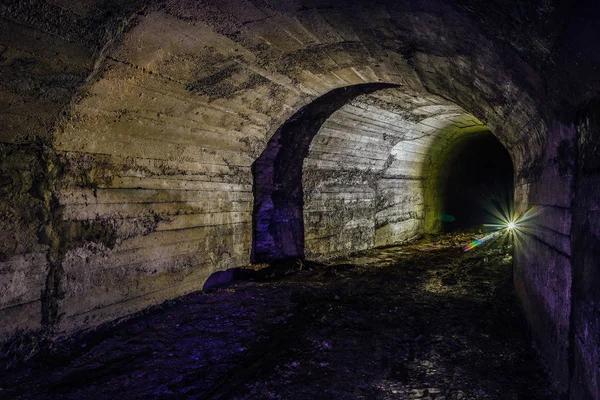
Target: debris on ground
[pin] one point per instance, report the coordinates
(419, 321)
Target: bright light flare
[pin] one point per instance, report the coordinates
(482, 240)
(508, 226)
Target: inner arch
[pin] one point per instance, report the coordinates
(468, 177)
(478, 183)
(360, 167)
(278, 225)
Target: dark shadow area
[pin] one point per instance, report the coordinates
(274, 270)
(584, 337)
(478, 185)
(278, 222)
(424, 320)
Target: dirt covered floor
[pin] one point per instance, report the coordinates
(420, 321)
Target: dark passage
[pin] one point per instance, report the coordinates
(479, 184)
(422, 321)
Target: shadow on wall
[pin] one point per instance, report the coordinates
(469, 182)
(278, 222)
(584, 332)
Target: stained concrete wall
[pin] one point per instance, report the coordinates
(129, 130)
(41, 68)
(585, 248)
(543, 257)
(365, 175)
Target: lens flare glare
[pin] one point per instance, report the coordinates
(508, 225)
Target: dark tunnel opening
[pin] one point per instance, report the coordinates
(478, 185)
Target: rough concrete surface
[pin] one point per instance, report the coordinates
(420, 321)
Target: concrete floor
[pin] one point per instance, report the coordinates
(425, 321)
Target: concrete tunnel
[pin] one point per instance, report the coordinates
(147, 145)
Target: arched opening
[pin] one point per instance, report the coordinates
(348, 167)
(469, 181)
(278, 224)
(477, 183)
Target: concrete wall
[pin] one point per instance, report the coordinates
(365, 175)
(41, 68)
(543, 256)
(585, 248)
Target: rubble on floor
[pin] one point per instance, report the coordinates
(418, 321)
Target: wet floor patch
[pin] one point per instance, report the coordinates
(420, 321)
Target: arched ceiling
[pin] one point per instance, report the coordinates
(249, 59)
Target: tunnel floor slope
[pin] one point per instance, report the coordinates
(420, 321)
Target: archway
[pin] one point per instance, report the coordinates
(278, 225)
(363, 184)
(477, 183)
(468, 181)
